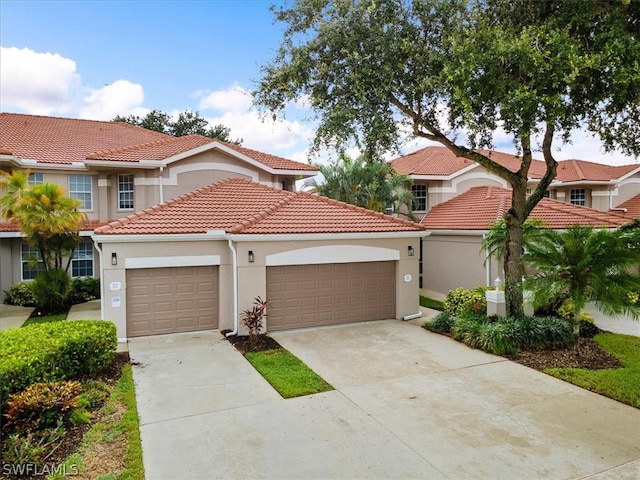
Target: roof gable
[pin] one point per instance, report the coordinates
(64, 141)
(240, 206)
(438, 161)
(630, 208)
(479, 207)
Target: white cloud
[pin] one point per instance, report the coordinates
(234, 99)
(38, 83)
(120, 97)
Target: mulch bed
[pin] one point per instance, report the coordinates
(591, 357)
(244, 344)
(75, 434)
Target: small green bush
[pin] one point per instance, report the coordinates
(441, 323)
(462, 301)
(20, 294)
(42, 406)
(505, 336)
(83, 290)
(588, 329)
(33, 447)
(46, 352)
(51, 289)
(94, 393)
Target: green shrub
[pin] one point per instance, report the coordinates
(21, 294)
(42, 406)
(51, 289)
(441, 323)
(505, 336)
(32, 448)
(588, 329)
(46, 352)
(94, 393)
(462, 301)
(83, 290)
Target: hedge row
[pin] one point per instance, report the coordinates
(53, 351)
(80, 290)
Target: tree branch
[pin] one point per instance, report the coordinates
(549, 174)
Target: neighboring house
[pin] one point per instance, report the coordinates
(116, 169)
(439, 175)
(452, 256)
(198, 260)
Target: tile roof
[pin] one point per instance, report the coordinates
(477, 208)
(86, 226)
(441, 161)
(632, 207)
(66, 140)
(240, 206)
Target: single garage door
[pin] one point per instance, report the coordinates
(309, 295)
(169, 300)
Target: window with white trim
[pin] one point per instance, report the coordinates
(36, 178)
(420, 201)
(82, 260)
(578, 196)
(125, 192)
(81, 188)
(32, 264)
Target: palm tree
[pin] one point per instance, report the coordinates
(50, 221)
(586, 265)
(13, 184)
(494, 242)
(366, 182)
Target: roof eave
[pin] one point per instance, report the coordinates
(146, 164)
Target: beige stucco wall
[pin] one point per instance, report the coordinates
(251, 276)
(442, 190)
(452, 261)
(628, 189)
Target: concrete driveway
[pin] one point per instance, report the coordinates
(407, 404)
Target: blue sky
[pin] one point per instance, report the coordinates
(95, 59)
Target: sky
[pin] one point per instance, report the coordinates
(97, 59)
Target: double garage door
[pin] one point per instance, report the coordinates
(329, 294)
(170, 300)
(185, 299)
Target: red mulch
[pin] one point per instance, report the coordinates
(591, 357)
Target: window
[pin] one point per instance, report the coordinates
(544, 195)
(420, 193)
(81, 188)
(125, 192)
(577, 196)
(30, 255)
(36, 178)
(82, 260)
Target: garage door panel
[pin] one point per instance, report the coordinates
(325, 294)
(168, 300)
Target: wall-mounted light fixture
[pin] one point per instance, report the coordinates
(410, 251)
(252, 257)
(114, 258)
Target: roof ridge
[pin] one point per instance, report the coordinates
(129, 148)
(579, 210)
(155, 208)
(371, 213)
(266, 212)
(579, 171)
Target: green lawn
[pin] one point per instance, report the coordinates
(112, 450)
(287, 373)
(622, 384)
(45, 319)
(431, 303)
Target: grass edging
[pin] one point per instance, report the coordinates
(621, 384)
(286, 373)
(116, 435)
(431, 303)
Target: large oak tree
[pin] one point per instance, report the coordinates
(456, 71)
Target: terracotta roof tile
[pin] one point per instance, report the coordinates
(86, 226)
(243, 207)
(630, 208)
(441, 161)
(67, 140)
(477, 208)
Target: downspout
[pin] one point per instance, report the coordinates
(161, 170)
(487, 265)
(99, 249)
(234, 262)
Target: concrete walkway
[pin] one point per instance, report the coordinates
(12, 316)
(407, 404)
(623, 324)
